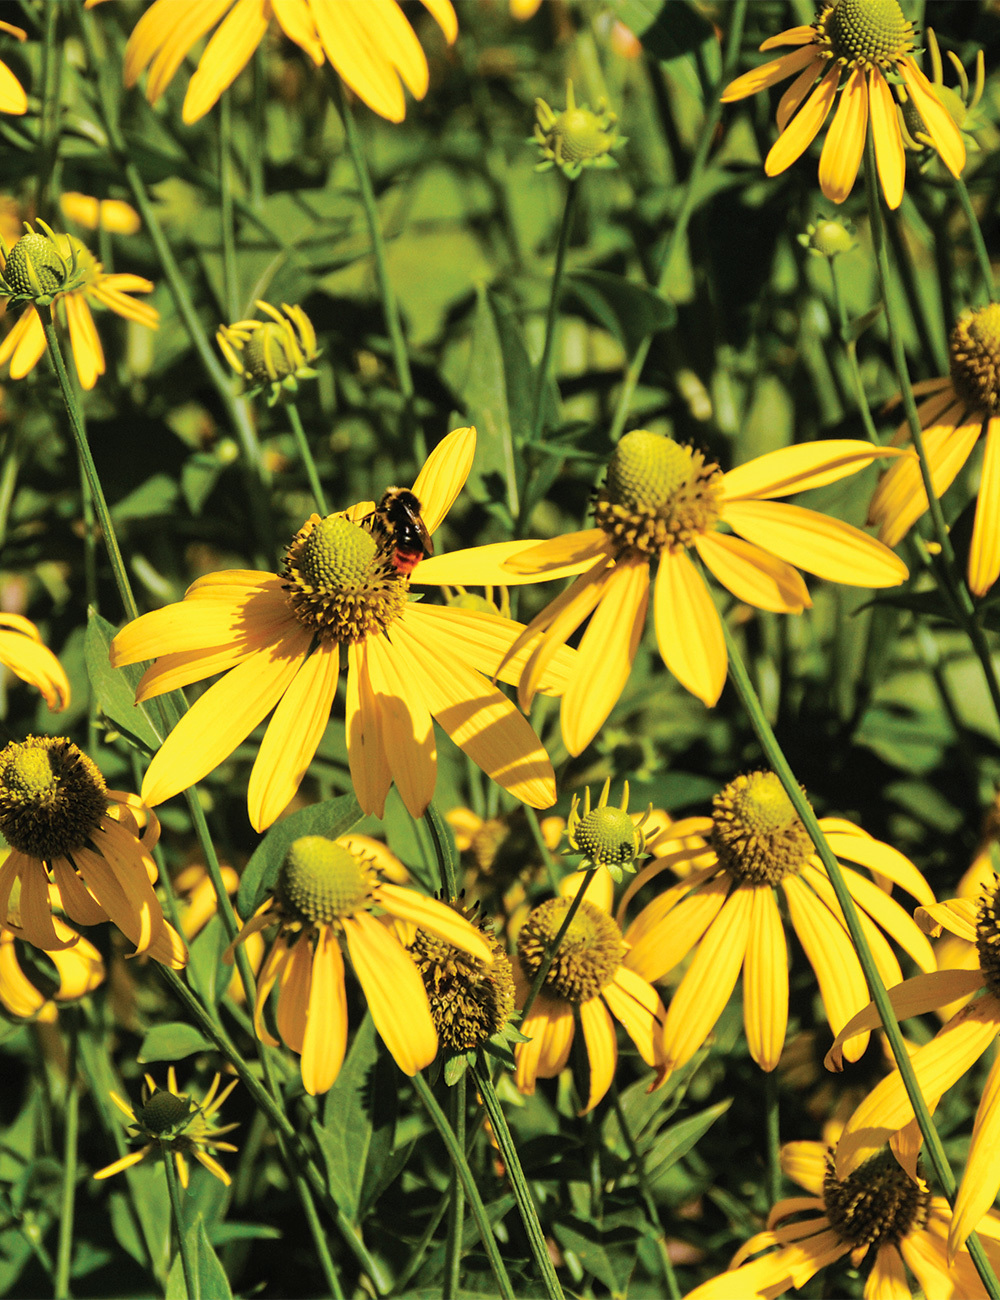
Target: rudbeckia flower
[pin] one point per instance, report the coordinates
(114, 215)
(369, 43)
(279, 641)
(329, 894)
(944, 1060)
(588, 980)
(57, 270)
(22, 651)
(868, 42)
(878, 1212)
(660, 500)
(172, 1123)
(28, 994)
(68, 830)
(12, 96)
(725, 910)
(956, 410)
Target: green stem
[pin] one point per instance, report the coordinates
(461, 1166)
(9, 468)
(978, 243)
(706, 135)
(192, 1280)
(553, 948)
(306, 456)
(443, 850)
(49, 93)
(318, 1234)
(518, 1182)
(387, 293)
(230, 279)
(89, 468)
(851, 352)
(772, 1123)
(544, 364)
(779, 764)
(652, 1213)
(71, 1118)
(456, 1198)
(959, 591)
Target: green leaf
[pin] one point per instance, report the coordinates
(348, 1127)
(331, 818)
(584, 1240)
(627, 310)
(210, 1276)
(207, 973)
(677, 1141)
(857, 327)
(172, 1042)
(114, 688)
(673, 32)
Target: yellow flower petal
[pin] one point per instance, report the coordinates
(946, 136)
(800, 467)
(88, 355)
(444, 15)
(982, 1170)
(796, 93)
(602, 1050)
(958, 916)
(890, 157)
(769, 74)
(549, 1029)
(637, 1005)
(404, 719)
(163, 36)
(880, 858)
(801, 35)
(984, 553)
(607, 651)
(204, 620)
(394, 992)
(708, 982)
(371, 775)
(294, 985)
(221, 718)
(12, 96)
(292, 736)
(557, 621)
(826, 547)
(804, 126)
(657, 948)
(126, 1162)
(326, 1025)
(17, 993)
(444, 471)
(347, 42)
(296, 22)
(486, 566)
(752, 575)
(437, 917)
(765, 980)
(225, 56)
(805, 1163)
(561, 554)
(688, 628)
(35, 664)
(845, 141)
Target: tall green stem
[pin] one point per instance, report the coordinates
(553, 948)
(306, 456)
(851, 352)
(89, 468)
(522, 1193)
(706, 135)
(555, 292)
(230, 280)
(192, 1279)
(978, 243)
(779, 765)
(71, 1117)
(652, 1213)
(461, 1166)
(456, 1198)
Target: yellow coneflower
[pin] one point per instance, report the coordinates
(370, 45)
(878, 1212)
(27, 993)
(66, 827)
(863, 40)
(752, 851)
(114, 215)
(22, 651)
(945, 1059)
(956, 410)
(589, 980)
(327, 894)
(46, 270)
(271, 356)
(279, 640)
(661, 501)
(175, 1124)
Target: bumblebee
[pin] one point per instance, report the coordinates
(398, 514)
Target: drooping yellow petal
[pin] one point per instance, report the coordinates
(817, 543)
(88, 355)
(221, 718)
(845, 141)
(35, 664)
(827, 946)
(607, 650)
(637, 1005)
(444, 15)
(804, 126)
(295, 20)
(292, 736)
(294, 988)
(78, 902)
(688, 628)
(371, 775)
(937, 1065)
(984, 553)
(795, 94)
(805, 1163)
(752, 575)
(17, 993)
(958, 916)
(435, 916)
(27, 326)
(36, 912)
(551, 558)
(163, 36)
(326, 1026)
(443, 475)
(404, 719)
(225, 56)
(887, 1280)
(890, 157)
(941, 128)
(558, 621)
(801, 35)
(12, 96)
(765, 980)
(394, 992)
(775, 1273)
(205, 620)
(549, 1029)
(655, 948)
(486, 566)
(273, 965)
(602, 1050)
(799, 468)
(769, 74)
(849, 841)
(982, 1170)
(894, 919)
(347, 43)
(708, 982)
